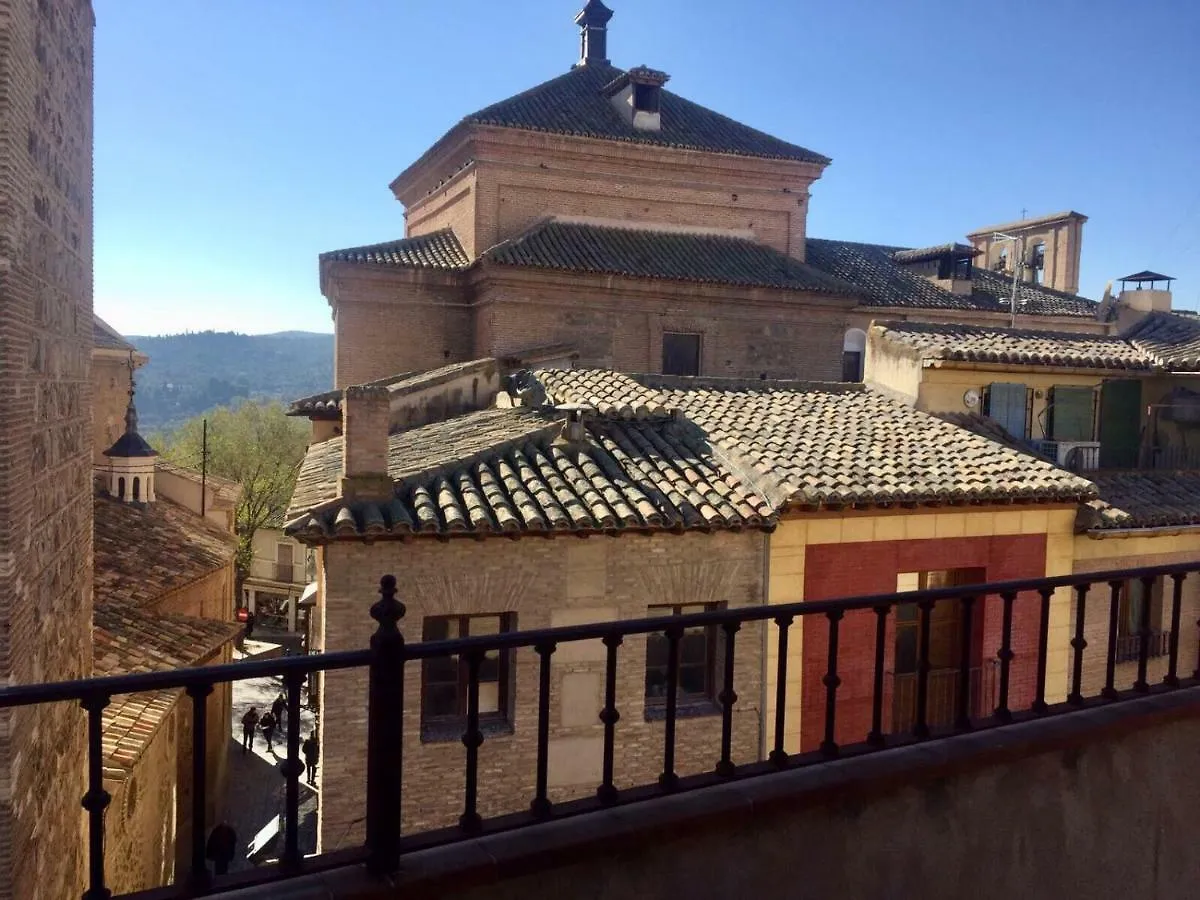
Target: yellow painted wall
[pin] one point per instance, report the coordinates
(790, 541)
(942, 389)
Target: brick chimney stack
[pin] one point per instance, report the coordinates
(365, 419)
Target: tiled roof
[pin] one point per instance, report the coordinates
(1172, 339)
(872, 269)
(609, 393)
(144, 552)
(506, 471)
(329, 404)
(926, 253)
(574, 104)
(1147, 499)
(437, 250)
(826, 444)
(676, 255)
(105, 337)
(127, 640)
(979, 343)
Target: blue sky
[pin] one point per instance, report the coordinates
(237, 139)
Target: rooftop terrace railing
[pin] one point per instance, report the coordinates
(388, 654)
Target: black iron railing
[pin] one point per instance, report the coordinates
(388, 654)
(1129, 646)
(942, 690)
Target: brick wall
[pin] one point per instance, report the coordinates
(1097, 607)
(619, 323)
(110, 397)
(519, 178)
(389, 323)
(838, 570)
(46, 450)
(545, 582)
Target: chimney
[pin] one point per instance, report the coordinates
(1151, 292)
(593, 33)
(365, 415)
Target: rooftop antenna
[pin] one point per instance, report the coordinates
(1018, 265)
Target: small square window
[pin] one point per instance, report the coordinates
(445, 680)
(699, 649)
(681, 353)
(646, 97)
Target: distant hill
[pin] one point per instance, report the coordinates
(191, 373)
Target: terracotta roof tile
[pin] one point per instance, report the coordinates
(127, 640)
(1149, 499)
(329, 404)
(977, 343)
(575, 104)
(507, 471)
(143, 552)
(672, 255)
(840, 445)
(105, 337)
(1171, 338)
(874, 271)
(437, 250)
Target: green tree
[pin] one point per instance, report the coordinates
(255, 444)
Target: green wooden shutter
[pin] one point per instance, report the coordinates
(1120, 424)
(1006, 405)
(1071, 411)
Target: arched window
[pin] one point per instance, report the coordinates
(854, 349)
(121, 488)
(137, 488)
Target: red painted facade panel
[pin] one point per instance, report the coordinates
(844, 570)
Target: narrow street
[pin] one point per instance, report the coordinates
(255, 797)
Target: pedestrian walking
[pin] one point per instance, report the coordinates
(249, 722)
(268, 724)
(277, 708)
(222, 844)
(250, 623)
(312, 755)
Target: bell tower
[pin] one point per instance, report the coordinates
(131, 459)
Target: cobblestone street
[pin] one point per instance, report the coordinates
(256, 787)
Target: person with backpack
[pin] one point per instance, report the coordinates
(268, 724)
(311, 748)
(249, 722)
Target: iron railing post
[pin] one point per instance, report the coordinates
(385, 732)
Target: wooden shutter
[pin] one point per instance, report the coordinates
(1006, 405)
(1120, 424)
(1071, 412)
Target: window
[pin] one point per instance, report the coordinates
(681, 353)
(1002, 260)
(1071, 414)
(1037, 261)
(444, 680)
(137, 488)
(854, 346)
(1009, 405)
(1129, 622)
(698, 651)
(645, 97)
(121, 487)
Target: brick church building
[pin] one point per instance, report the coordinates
(601, 219)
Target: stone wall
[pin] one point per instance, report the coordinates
(46, 449)
(110, 398)
(1097, 804)
(562, 581)
(139, 849)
